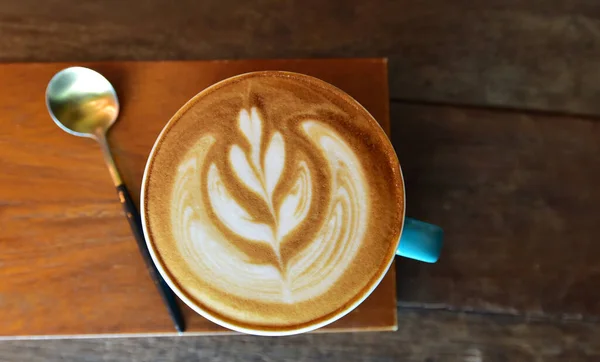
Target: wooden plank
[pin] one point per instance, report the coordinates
(423, 336)
(531, 54)
(517, 195)
(68, 260)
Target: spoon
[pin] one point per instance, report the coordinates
(84, 103)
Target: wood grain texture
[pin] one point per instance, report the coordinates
(423, 336)
(517, 195)
(68, 260)
(540, 54)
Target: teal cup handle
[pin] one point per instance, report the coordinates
(420, 241)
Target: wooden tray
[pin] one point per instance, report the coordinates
(68, 263)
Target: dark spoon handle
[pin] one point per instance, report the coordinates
(135, 223)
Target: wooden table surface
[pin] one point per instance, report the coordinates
(495, 119)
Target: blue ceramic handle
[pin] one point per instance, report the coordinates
(420, 241)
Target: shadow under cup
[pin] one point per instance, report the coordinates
(229, 206)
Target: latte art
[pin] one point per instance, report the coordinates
(305, 275)
(272, 202)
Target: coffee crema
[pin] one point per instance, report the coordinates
(273, 202)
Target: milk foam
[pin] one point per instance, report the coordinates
(215, 256)
(273, 202)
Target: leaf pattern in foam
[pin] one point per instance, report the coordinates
(243, 170)
(251, 126)
(296, 204)
(274, 162)
(231, 214)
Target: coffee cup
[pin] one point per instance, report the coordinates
(273, 203)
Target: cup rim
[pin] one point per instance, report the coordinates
(281, 331)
